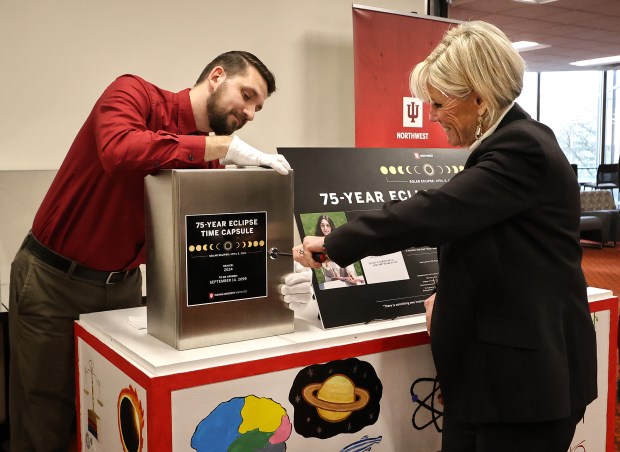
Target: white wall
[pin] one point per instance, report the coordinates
(56, 58)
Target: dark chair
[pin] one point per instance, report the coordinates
(606, 177)
(576, 170)
(599, 204)
(591, 230)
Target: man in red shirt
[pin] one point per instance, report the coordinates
(87, 237)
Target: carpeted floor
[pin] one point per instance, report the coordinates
(602, 269)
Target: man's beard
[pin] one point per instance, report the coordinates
(218, 118)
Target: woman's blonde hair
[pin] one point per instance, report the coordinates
(474, 56)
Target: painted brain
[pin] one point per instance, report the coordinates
(243, 424)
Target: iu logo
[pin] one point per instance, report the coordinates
(412, 112)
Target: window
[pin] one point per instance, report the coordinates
(528, 99)
(570, 103)
(612, 129)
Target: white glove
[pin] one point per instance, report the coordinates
(242, 154)
(297, 288)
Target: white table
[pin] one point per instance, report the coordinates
(133, 387)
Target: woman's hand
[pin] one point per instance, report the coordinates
(303, 253)
(428, 305)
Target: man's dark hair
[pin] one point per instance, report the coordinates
(236, 62)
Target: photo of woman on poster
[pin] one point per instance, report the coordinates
(331, 275)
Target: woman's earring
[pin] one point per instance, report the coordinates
(479, 128)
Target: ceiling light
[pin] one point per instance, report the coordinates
(534, 2)
(524, 46)
(598, 61)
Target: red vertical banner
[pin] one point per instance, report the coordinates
(387, 45)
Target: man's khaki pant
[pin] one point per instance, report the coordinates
(43, 304)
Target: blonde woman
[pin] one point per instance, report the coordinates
(512, 338)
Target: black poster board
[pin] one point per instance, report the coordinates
(342, 183)
(226, 257)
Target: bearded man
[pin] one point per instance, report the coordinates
(87, 239)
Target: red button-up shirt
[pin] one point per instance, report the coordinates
(93, 212)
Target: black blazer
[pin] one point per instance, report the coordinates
(512, 336)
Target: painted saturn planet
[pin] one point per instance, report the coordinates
(336, 398)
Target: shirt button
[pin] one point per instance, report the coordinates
(157, 163)
(190, 158)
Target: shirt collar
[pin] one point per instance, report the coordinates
(187, 123)
(476, 143)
